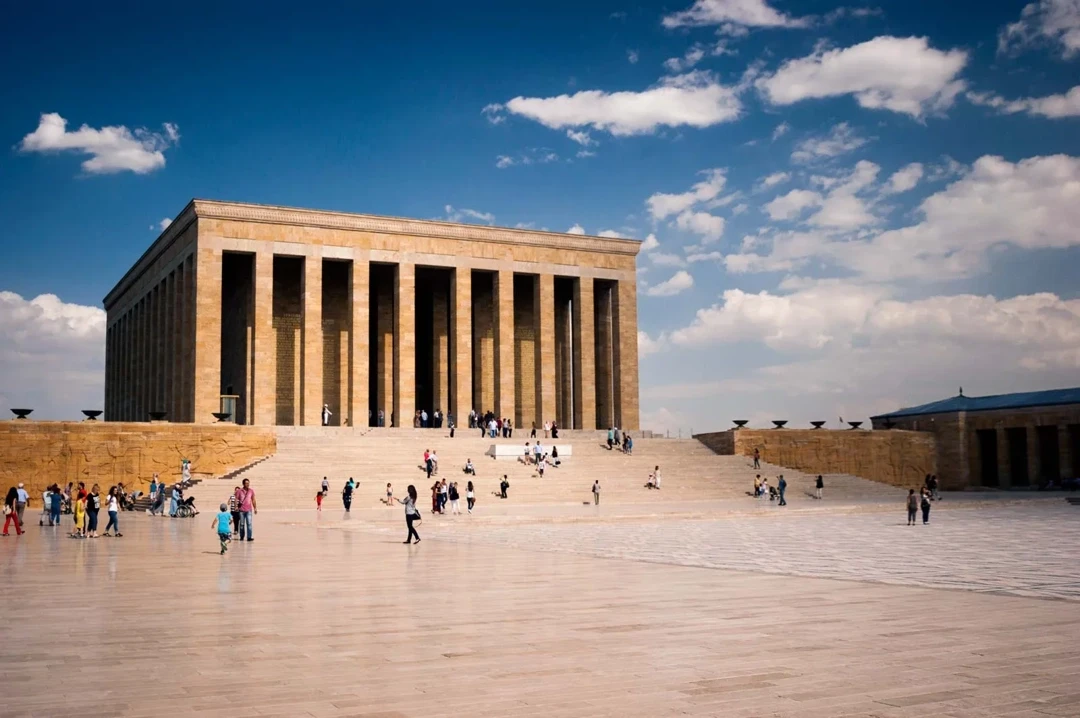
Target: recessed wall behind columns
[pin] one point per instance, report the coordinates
(897, 458)
(237, 330)
(40, 453)
(381, 342)
(483, 343)
(564, 351)
(336, 322)
(604, 351)
(288, 307)
(525, 351)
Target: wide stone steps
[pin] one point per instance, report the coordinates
(290, 478)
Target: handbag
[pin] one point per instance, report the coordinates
(7, 510)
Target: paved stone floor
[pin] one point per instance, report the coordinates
(618, 617)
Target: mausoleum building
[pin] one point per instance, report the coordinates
(270, 313)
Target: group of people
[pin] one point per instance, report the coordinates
(233, 520)
(431, 462)
(916, 502)
(621, 440)
(423, 420)
(763, 489)
(84, 506)
(491, 425)
(535, 455)
(444, 493)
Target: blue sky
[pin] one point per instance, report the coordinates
(852, 206)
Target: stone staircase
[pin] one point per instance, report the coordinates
(691, 472)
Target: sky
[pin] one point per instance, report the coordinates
(845, 207)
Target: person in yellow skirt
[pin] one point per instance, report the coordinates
(78, 511)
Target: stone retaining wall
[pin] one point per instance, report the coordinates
(40, 453)
(897, 458)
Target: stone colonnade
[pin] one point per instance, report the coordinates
(287, 334)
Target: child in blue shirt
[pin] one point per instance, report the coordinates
(223, 525)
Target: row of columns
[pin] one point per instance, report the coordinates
(453, 356)
(149, 350)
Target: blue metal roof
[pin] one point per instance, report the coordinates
(987, 403)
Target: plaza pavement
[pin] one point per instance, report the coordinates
(733, 611)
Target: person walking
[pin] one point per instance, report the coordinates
(325, 488)
(455, 507)
(234, 511)
(248, 507)
(11, 513)
(819, 486)
(112, 506)
(153, 488)
(757, 458)
(935, 491)
(20, 503)
(389, 494)
(610, 438)
(781, 487)
(470, 496)
(925, 505)
(57, 500)
(412, 514)
(596, 492)
(444, 496)
(78, 513)
(912, 507)
(503, 486)
(346, 495)
(222, 524)
(174, 500)
(93, 506)
(318, 501)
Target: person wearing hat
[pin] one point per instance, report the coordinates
(20, 503)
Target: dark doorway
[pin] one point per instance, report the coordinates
(1049, 463)
(988, 456)
(1018, 456)
(237, 329)
(1074, 449)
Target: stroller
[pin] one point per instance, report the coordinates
(186, 508)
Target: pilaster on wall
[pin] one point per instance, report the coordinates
(404, 344)
(461, 392)
(626, 356)
(544, 308)
(503, 312)
(311, 372)
(207, 390)
(584, 355)
(359, 358)
(264, 407)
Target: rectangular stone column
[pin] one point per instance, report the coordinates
(503, 312)
(359, 353)
(188, 381)
(263, 409)
(605, 393)
(311, 341)
(404, 344)
(626, 356)
(461, 349)
(207, 355)
(140, 360)
(544, 308)
(170, 347)
(584, 355)
(440, 347)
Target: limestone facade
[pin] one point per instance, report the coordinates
(290, 309)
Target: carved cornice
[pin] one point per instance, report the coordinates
(414, 227)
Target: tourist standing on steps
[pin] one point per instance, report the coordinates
(93, 506)
(11, 514)
(411, 513)
(925, 504)
(596, 492)
(455, 507)
(470, 496)
(326, 414)
(112, 506)
(819, 485)
(781, 486)
(346, 495)
(246, 499)
(912, 507)
(532, 434)
(757, 459)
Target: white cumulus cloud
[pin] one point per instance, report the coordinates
(468, 216)
(1050, 21)
(1052, 106)
(52, 357)
(708, 226)
(905, 178)
(112, 149)
(841, 139)
(904, 75)
(679, 283)
(695, 99)
(734, 13)
(662, 205)
(576, 229)
(791, 205)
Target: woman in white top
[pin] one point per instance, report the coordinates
(112, 505)
(411, 513)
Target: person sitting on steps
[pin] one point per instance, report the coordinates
(469, 469)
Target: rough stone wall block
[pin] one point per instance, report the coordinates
(311, 341)
(405, 344)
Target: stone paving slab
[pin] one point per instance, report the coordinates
(318, 620)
